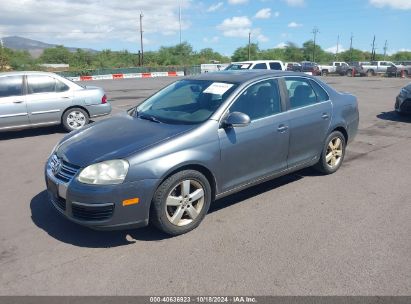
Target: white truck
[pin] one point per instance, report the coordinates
(213, 67)
(377, 67)
(331, 68)
(258, 65)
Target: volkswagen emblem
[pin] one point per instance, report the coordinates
(56, 166)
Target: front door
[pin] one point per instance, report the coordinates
(259, 149)
(13, 110)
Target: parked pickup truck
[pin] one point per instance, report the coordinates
(397, 70)
(356, 67)
(257, 65)
(377, 67)
(331, 67)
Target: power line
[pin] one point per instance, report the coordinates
(249, 45)
(373, 49)
(338, 45)
(385, 48)
(351, 39)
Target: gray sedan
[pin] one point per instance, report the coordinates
(195, 141)
(32, 99)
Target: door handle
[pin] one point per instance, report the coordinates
(18, 101)
(325, 116)
(282, 128)
(65, 97)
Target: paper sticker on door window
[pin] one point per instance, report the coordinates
(218, 88)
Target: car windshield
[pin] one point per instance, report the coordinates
(238, 66)
(185, 102)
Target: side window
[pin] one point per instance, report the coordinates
(41, 84)
(321, 93)
(61, 87)
(259, 100)
(300, 92)
(11, 86)
(260, 66)
(275, 66)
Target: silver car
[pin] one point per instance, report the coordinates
(32, 99)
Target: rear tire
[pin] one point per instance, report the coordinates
(370, 73)
(74, 119)
(349, 73)
(324, 72)
(333, 153)
(181, 202)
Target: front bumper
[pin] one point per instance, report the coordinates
(101, 206)
(99, 109)
(402, 104)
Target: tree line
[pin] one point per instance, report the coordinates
(180, 55)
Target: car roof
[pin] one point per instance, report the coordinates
(18, 73)
(256, 61)
(234, 76)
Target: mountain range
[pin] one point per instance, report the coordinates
(34, 47)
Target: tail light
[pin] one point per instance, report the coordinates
(104, 99)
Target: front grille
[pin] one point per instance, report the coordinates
(66, 172)
(98, 212)
(59, 202)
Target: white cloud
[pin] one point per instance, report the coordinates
(240, 27)
(396, 4)
(237, 1)
(392, 52)
(294, 24)
(264, 13)
(333, 49)
(276, 14)
(72, 21)
(298, 3)
(235, 26)
(281, 45)
(213, 39)
(215, 7)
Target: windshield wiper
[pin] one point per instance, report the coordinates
(149, 117)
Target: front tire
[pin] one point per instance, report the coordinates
(74, 119)
(181, 202)
(333, 153)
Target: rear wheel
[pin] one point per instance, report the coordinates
(349, 73)
(324, 72)
(370, 73)
(74, 119)
(333, 153)
(181, 202)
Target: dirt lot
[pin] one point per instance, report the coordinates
(302, 234)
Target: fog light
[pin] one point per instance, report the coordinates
(131, 201)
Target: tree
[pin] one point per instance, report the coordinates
(293, 53)
(58, 54)
(241, 53)
(4, 59)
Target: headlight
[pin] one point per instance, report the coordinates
(105, 173)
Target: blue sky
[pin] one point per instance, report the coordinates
(220, 24)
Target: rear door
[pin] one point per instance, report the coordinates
(13, 110)
(47, 98)
(309, 110)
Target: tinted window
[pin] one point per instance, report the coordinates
(61, 87)
(41, 84)
(259, 100)
(260, 66)
(276, 66)
(300, 92)
(321, 93)
(11, 86)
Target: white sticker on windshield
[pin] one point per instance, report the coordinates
(218, 88)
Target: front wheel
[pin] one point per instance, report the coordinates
(333, 153)
(74, 119)
(181, 202)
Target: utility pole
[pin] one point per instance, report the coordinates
(315, 32)
(373, 49)
(338, 45)
(352, 37)
(141, 38)
(385, 48)
(249, 45)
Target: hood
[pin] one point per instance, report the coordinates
(115, 138)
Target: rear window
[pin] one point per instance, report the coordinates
(276, 66)
(11, 86)
(41, 84)
(321, 93)
(239, 66)
(260, 66)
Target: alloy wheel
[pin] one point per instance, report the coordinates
(185, 202)
(76, 120)
(334, 152)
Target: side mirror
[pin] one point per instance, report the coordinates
(236, 119)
